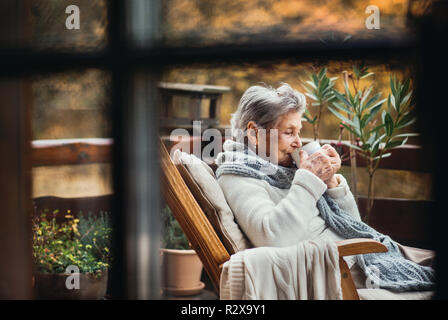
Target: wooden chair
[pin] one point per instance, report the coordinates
(209, 247)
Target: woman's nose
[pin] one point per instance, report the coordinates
(297, 143)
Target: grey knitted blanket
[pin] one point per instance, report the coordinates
(389, 270)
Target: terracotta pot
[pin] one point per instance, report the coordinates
(181, 272)
(52, 286)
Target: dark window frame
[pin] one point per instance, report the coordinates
(124, 61)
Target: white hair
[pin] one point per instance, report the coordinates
(265, 105)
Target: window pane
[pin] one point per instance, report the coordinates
(72, 180)
(191, 23)
(71, 105)
(49, 28)
(65, 26)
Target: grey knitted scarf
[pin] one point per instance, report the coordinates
(389, 270)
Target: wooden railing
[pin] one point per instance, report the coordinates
(71, 151)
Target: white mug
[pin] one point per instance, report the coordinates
(310, 148)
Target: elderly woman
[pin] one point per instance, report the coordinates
(279, 203)
(280, 215)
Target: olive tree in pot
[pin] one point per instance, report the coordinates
(71, 257)
(374, 142)
(181, 266)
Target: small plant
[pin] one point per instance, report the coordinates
(320, 89)
(172, 236)
(374, 141)
(83, 242)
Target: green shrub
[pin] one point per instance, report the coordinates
(172, 236)
(83, 242)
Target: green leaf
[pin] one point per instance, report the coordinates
(311, 83)
(356, 99)
(331, 97)
(342, 108)
(388, 104)
(406, 120)
(406, 98)
(328, 91)
(379, 103)
(405, 87)
(348, 94)
(377, 128)
(371, 101)
(322, 73)
(365, 95)
(310, 90)
(357, 125)
(352, 146)
(365, 146)
(312, 96)
(373, 113)
(384, 155)
(349, 129)
(356, 70)
(367, 75)
(376, 144)
(341, 117)
(307, 118)
(379, 140)
(406, 135)
(389, 122)
(316, 81)
(392, 85)
(392, 102)
(323, 85)
(372, 138)
(342, 98)
(404, 141)
(392, 144)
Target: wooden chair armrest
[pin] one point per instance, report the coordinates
(351, 247)
(359, 246)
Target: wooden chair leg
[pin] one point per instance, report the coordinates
(349, 291)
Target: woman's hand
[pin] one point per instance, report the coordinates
(319, 163)
(323, 163)
(334, 157)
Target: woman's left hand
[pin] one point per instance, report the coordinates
(334, 157)
(335, 163)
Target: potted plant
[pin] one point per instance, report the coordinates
(181, 266)
(71, 256)
(371, 141)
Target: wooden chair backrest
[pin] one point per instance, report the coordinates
(192, 219)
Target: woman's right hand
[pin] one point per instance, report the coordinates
(318, 163)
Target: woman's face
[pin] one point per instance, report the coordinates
(288, 131)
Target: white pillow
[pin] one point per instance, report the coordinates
(206, 179)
